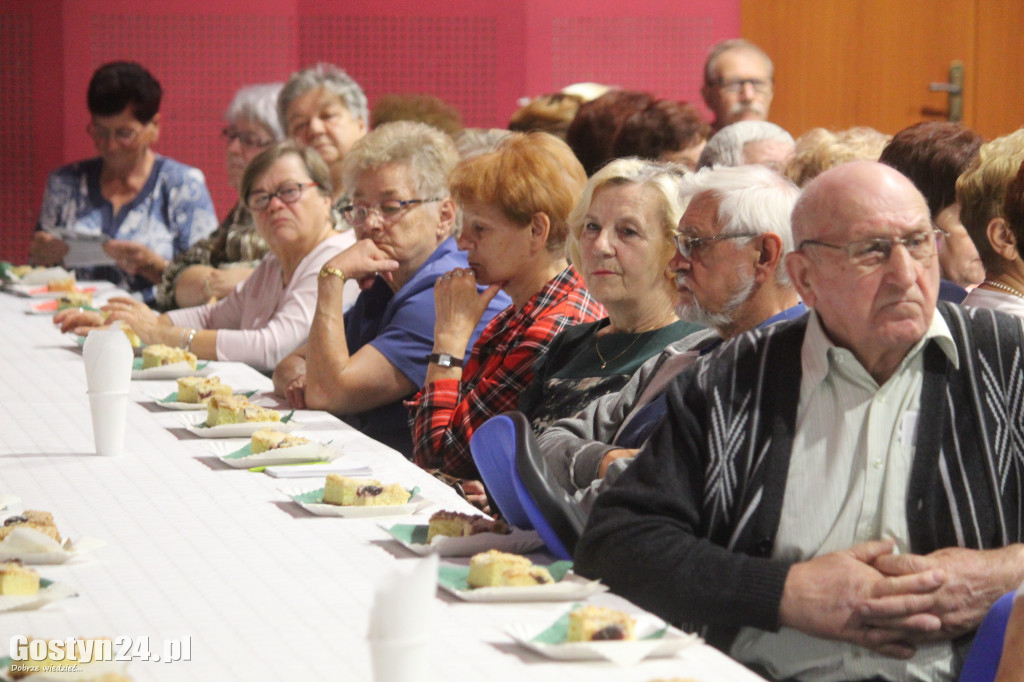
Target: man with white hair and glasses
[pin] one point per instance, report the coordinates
(838, 497)
(732, 240)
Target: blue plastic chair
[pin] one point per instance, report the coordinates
(493, 446)
(558, 518)
(983, 659)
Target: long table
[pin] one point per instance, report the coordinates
(195, 549)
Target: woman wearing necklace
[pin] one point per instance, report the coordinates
(621, 241)
(1003, 286)
(268, 315)
(515, 201)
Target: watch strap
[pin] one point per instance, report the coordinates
(444, 360)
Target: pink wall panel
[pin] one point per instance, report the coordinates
(657, 46)
(199, 55)
(469, 54)
(481, 57)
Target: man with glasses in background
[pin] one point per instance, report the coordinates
(837, 497)
(738, 83)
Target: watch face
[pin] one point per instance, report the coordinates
(444, 360)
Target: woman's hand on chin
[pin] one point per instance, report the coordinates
(460, 307)
(363, 261)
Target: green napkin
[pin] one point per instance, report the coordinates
(410, 534)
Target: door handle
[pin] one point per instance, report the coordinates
(955, 89)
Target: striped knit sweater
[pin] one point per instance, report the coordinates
(688, 530)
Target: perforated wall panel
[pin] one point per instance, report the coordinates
(17, 143)
(479, 57)
(453, 58)
(200, 61)
(661, 55)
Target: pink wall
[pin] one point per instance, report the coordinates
(480, 56)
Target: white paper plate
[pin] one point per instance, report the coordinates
(570, 588)
(173, 371)
(195, 422)
(310, 452)
(43, 308)
(39, 275)
(48, 592)
(7, 501)
(40, 292)
(305, 499)
(162, 401)
(666, 641)
(519, 541)
(33, 547)
(243, 430)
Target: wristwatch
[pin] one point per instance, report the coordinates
(444, 360)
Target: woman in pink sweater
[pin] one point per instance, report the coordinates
(268, 315)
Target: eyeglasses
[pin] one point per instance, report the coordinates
(868, 254)
(687, 245)
(289, 193)
(737, 85)
(122, 135)
(247, 140)
(388, 210)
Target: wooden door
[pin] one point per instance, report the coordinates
(870, 62)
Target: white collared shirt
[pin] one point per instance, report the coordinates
(847, 483)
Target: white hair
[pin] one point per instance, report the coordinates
(258, 103)
(333, 80)
(750, 199)
(725, 148)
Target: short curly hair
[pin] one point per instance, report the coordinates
(819, 149)
(429, 153)
(981, 189)
(528, 173)
(117, 86)
(933, 154)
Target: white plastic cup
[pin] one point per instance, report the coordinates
(401, 659)
(108, 361)
(109, 421)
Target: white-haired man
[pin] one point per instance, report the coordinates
(738, 82)
(838, 497)
(748, 142)
(732, 240)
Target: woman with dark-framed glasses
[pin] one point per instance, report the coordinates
(288, 190)
(149, 207)
(362, 365)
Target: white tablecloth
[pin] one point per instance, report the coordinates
(193, 548)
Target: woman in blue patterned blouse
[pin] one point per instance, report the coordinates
(145, 207)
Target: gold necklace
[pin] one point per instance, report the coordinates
(604, 363)
(1005, 287)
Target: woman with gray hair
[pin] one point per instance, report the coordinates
(748, 142)
(288, 191)
(324, 108)
(363, 364)
(621, 240)
(212, 268)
